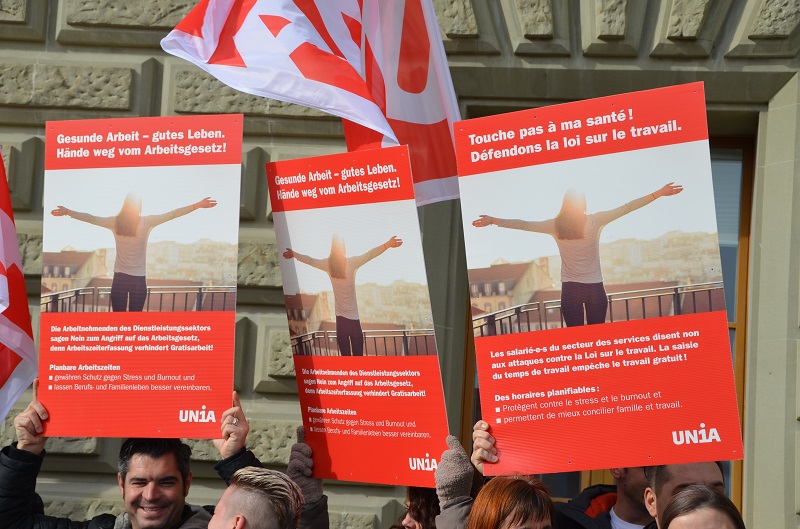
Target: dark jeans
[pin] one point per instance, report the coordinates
(349, 336)
(128, 292)
(577, 296)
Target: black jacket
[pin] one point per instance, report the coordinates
(589, 510)
(22, 508)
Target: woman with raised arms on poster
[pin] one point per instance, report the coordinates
(342, 272)
(577, 234)
(131, 230)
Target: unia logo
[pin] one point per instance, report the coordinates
(696, 436)
(418, 463)
(200, 415)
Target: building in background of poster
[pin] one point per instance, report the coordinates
(596, 287)
(359, 315)
(139, 275)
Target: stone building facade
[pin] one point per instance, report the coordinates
(78, 59)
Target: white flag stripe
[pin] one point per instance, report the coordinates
(19, 345)
(16, 339)
(10, 246)
(20, 379)
(393, 73)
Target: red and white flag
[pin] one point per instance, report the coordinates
(378, 64)
(17, 352)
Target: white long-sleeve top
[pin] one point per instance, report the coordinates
(580, 258)
(344, 289)
(131, 249)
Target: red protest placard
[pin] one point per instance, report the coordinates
(139, 275)
(359, 316)
(596, 284)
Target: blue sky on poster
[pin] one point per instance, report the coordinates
(536, 193)
(101, 192)
(363, 227)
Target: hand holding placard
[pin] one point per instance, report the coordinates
(483, 449)
(453, 474)
(234, 430)
(28, 424)
(300, 468)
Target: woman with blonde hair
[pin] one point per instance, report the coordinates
(131, 230)
(577, 234)
(342, 272)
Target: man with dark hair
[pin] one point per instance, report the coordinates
(608, 506)
(258, 498)
(664, 481)
(155, 448)
(154, 478)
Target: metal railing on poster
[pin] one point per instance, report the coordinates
(159, 299)
(407, 342)
(622, 306)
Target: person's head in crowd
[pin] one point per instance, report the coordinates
(154, 478)
(664, 481)
(512, 502)
(258, 498)
(631, 484)
(701, 507)
(422, 506)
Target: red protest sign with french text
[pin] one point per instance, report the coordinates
(596, 284)
(139, 275)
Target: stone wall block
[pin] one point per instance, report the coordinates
(73, 86)
(466, 27)
(610, 19)
(538, 27)
(274, 366)
(777, 19)
(279, 354)
(134, 23)
(767, 29)
(253, 180)
(16, 82)
(72, 445)
(456, 18)
(7, 433)
(203, 449)
(103, 507)
(271, 441)
(160, 14)
(188, 90)
(612, 28)
(536, 18)
(349, 520)
(245, 333)
(22, 170)
(258, 264)
(81, 86)
(23, 19)
(82, 509)
(197, 92)
(13, 11)
(686, 18)
(30, 250)
(690, 28)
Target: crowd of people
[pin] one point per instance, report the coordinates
(154, 477)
